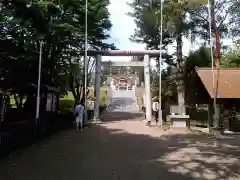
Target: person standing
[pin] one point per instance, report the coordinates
(90, 107)
(79, 113)
(155, 109)
(144, 106)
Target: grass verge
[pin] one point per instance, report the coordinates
(67, 102)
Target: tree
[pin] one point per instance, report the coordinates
(198, 58)
(175, 26)
(189, 19)
(148, 26)
(224, 15)
(177, 23)
(60, 25)
(231, 59)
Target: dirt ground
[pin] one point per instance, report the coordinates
(122, 147)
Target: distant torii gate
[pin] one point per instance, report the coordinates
(146, 64)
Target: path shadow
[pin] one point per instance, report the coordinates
(121, 116)
(106, 153)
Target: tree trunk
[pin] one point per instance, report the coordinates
(75, 88)
(217, 35)
(180, 88)
(217, 60)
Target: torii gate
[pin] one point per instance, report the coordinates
(121, 75)
(146, 64)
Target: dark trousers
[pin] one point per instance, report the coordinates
(155, 115)
(144, 111)
(90, 114)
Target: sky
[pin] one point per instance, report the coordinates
(123, 28)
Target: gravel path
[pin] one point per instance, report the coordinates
(123, 148)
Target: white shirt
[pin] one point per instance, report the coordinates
(155, 106)
(90, 104)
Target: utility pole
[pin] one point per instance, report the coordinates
(160, 67)
(86, 60)
(39, 81)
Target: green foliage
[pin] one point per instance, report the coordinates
(148, 31)
(175, 26)
(231, 59)
(60, 25)
(226, 16)
(198, 58)
(67, 102)
(188, 19)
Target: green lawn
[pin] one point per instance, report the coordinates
(12, 101)
(67, 102)
(140, 92)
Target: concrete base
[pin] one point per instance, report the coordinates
(228, 132)
(179, 121)
(96, 121)
(216, 131)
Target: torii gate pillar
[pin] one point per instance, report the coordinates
(148, 96)
(97, 87)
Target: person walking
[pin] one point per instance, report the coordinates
(79, 113)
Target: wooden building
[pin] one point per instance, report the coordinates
(204, 84)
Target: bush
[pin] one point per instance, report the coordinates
(66, 105)
(155, 92)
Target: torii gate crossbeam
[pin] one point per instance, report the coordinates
(124, 63)
(121, 52)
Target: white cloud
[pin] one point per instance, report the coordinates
(123, 28)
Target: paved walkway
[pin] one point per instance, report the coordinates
(122, 148)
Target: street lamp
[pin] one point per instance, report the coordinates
(39, 79)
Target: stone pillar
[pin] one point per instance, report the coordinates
(97, 87)
(147, 72)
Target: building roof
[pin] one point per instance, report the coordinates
(226, 80)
